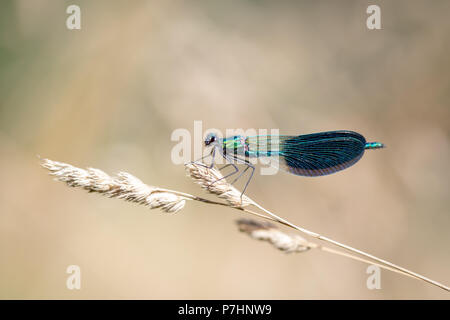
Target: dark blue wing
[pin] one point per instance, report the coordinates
(321, 153)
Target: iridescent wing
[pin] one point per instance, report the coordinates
(310, 155)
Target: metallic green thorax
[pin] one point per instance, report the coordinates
(235, 145)
(251, 147)
(234, 142)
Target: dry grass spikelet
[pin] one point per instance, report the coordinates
(124, 186)
(268, 232)
(212, 180)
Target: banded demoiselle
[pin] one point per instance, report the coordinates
(310, 155)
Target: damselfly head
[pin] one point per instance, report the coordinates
(210, 138)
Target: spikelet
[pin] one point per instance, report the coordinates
(212, 181)
(268, 232)
(124, 186)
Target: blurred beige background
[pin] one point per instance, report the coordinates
(110, 95)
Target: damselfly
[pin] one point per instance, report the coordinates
(308, 155)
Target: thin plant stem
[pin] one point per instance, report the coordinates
(349, 248)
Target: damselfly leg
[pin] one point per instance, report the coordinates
(230, 161)
(249, 166)
(240, 161)
(236, 170)
(199, 162)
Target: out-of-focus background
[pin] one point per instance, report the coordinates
(110, 95)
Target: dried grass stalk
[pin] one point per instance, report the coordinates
(127, 187)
